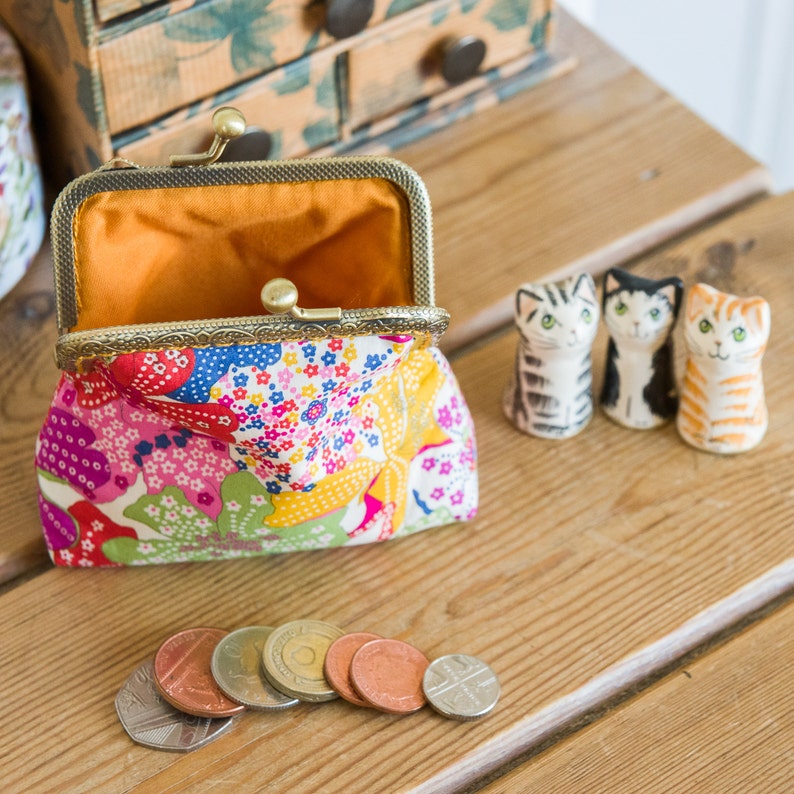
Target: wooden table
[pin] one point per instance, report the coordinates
(598, 567)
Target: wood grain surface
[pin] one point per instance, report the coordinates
(721, 725)
(592, 562)
(27, 344)
(581, 172)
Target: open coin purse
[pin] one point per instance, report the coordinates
(249, 365)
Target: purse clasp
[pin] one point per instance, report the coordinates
(228, 123)
(280, 296)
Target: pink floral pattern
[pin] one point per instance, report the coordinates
(197, 454)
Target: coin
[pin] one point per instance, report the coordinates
(461, 687)
(293, 659)
(152, 722)
(237, 669)
(337, 664)
(388, 675)
(183, 676)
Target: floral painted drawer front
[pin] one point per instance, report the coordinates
(183, 57)
(183, 52)
(404, 64)
(297, 105)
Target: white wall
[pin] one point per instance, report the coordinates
(731, 61)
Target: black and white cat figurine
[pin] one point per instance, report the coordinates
(639, 383)
(550, 393)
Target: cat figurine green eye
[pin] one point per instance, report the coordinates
(550, 393)
(723, 407)
(639, 383)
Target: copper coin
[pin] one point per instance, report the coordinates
(152, 722)
(388, 675)
(183, 674)
(337, 664)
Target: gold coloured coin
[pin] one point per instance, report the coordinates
(293, 659)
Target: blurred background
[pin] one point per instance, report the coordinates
(731, 61)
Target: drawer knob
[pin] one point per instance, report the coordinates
(254, 144)
(345, 18)
(461, 58)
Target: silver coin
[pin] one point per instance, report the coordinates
(152, 722)
(461, 687)
(237, 669)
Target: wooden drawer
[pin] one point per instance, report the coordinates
(173, 60)
(405, 63)
(297, 105)
(105, 74)
(172, 56)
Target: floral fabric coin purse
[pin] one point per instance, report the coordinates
(249, 364)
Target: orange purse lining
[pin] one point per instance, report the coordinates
(193, 253)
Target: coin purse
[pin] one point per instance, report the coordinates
(249, 364)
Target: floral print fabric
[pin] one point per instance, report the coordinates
(207, 453)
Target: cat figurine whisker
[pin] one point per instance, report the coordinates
(550, 393)
(639, 382)
(723, 405)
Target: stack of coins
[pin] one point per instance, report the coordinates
(201, 678)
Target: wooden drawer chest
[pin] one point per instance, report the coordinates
(139, 78)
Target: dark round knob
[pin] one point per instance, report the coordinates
(344, 18)
(461, 58)
(254, 144)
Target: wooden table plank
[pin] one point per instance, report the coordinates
(580, 172)
(27, 340)
(586, 554)
(721, 724)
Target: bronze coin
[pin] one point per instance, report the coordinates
(337, 664)
(388, 675)
(183, 675)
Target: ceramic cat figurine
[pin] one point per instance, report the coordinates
(639, 382)
(723, 408)
(550, 393)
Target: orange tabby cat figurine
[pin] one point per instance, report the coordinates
(722, 407)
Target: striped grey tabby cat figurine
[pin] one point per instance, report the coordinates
(550, 393)
(639, 385)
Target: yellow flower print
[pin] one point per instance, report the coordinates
(290, 359)
(215, 393)
(350, 353)
(257, 399)
(403, 407)
(407, 422)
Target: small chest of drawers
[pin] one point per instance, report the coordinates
(139, 78)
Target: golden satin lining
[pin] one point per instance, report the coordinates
(195, 253)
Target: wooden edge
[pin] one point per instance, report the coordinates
(626, 674)
(30, 559)
(754, 184)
